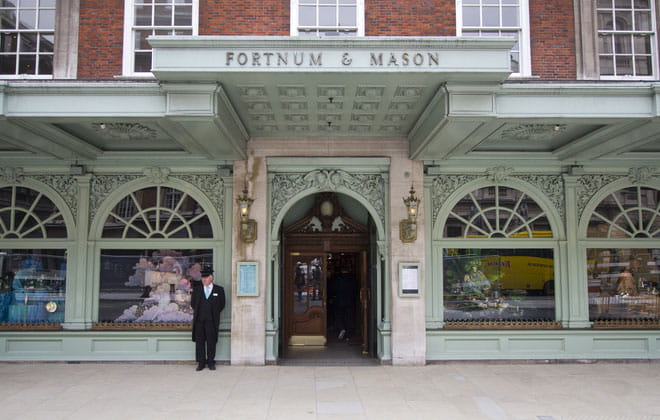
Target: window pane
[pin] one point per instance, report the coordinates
(623, 44)
(606, 66)
(47, 3)
(8, 64)
(605, 20)
(27, 64)
(307, 16)
(471, 16)
(28, 42)
(141, 40)
(32, 285)
(642, 44)
(510, 16)
(142, 62)
(46, 43)
(498, 284)
(624, 66)
(27, 19)
(7, 19)
(183, 32)
(143, 15)
(515, 62)
(149, 286)
(183, 15)
(491, 16)
(623, 20)
(9, 41)
(163, 15)
(46, 19)
(606, 4)
(623, 283)
(642, 21)
(45, 64)
(347, 16)
(643, 66)
(8, 3)
(605, 43)
(622, 4)
(327, 16)
(642, 4)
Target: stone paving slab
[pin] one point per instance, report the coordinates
(452, 390)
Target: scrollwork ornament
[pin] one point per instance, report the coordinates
(213, 187)
(11, 175)
(552, 186)
(66, 186)
(157, 175)
(643, 175)
(588, 185)
(443, 186)
(102, 185)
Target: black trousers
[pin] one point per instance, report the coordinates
(206, 338)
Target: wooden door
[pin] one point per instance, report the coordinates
(305, 298)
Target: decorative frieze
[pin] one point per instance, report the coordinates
(66, 186)
(553, 188)
(588, 185)
(443, 186)
(213, 187)
(102, 186)
(370, 186)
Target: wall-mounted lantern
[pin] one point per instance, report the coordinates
(248, 230)
(408, 227)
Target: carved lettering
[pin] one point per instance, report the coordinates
(282, 59)
(418, 59)
(405, 59)
(346, 59)
(268, 55)
(393, 61)
(376, 60)
(298, 58)
(315, 61)
(433, 57)
(242, 59)
(230, 58)
(255, 59)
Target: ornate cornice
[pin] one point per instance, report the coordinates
(287, 185)
(588, 185)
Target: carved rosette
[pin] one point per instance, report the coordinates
(213, 187)
(369, 186)
(588, 185)
(553, 188)
(643, 175)
(11, 175)
(66, 186)
(443, 186)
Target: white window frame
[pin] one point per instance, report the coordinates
(295, 18)
(653, 41)
(129, 37)
(525, 65)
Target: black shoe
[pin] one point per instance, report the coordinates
(200, 366)
(211, 366)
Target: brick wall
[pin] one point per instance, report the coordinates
(553, 39)
(410, 17)
(244, 17)
(100, 39)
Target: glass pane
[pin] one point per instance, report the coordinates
(605, 43)
(163, 15)
(642, 21)
(142, 62)
(623, 44)
(498, 284)
(182, 32)
(347, 16)
(327, 16)
(606, 66)
(32, 285)
(605, 4)
(9, 41)
(8, 64)
(307, 16)
(605, 20)
(45, 64)
(46, 3)
(622, 4)
(27, 19)
(28, 42)
(8, 3)
(471, 16)
(510, 16)
(183, 15)
(623, 20)
(491, 16)
(491, 2)
(27, 64)
(143, 15)
(141, 40)
(624, 66)
(7, 19)
(46, 43)
(28, 3)
(515, 62)
(149, 286)
(308, 283)
(347, 1)
(476, 2)
(642, 4)
(623, 283)
(642, 44)
(643, 66)
(47, 19)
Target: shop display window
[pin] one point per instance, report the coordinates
(149, 286)
(624, 284)
(32, 286)
(498, 285)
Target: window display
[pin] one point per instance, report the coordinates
(499, 284)
(32, 285)
(623, 283)
(149, 286)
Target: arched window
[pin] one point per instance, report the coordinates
(498, 265)
(154, 243)
(623, 258)
(32, 282)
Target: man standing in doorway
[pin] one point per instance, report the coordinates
(207, 301)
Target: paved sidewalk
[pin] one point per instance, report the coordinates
(455, 391)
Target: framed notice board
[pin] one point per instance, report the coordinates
(247, 282)
(408, 279)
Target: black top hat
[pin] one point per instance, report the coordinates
(206, 270)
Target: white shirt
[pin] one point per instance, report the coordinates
(207, 290)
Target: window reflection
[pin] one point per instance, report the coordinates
(623, 283)
(498, 284)
(307, 279)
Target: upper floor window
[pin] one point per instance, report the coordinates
(145, 18)
(498, 18)
(327, 17)
(27, 37)
(626, 38)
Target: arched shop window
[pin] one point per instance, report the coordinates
(623, 257)
(33, 282)
(501, 264)
(153, 245)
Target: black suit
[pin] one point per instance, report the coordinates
(206, 322)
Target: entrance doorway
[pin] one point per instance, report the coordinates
(325, 285)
